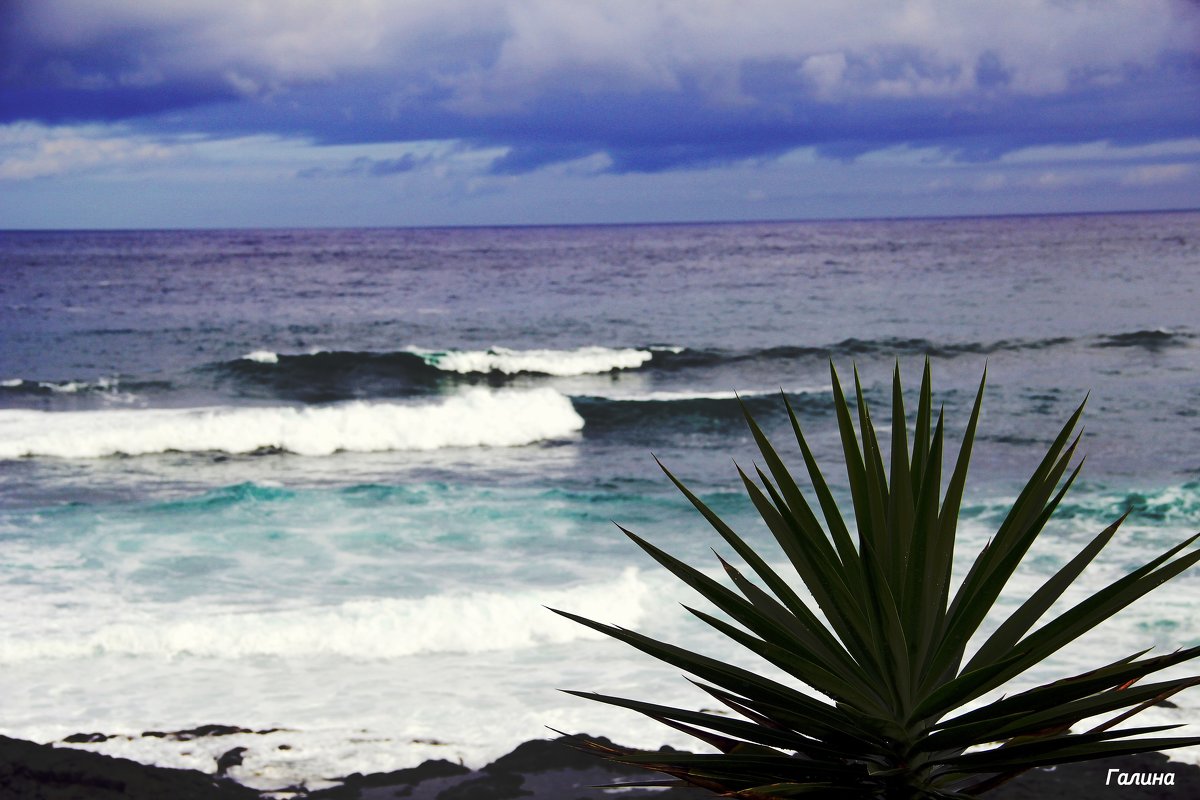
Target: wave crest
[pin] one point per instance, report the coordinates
(559, 363)
(262, 357)
(476, 418)
(100, 385)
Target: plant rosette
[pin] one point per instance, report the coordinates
(884, 641)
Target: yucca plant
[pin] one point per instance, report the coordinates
(885, 642)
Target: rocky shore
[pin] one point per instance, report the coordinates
(535, 770)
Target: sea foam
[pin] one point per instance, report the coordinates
(475, 418)
(62, 387)
(262, 357)
(581, 361)
(364, 629)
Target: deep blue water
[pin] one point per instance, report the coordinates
(351, 447)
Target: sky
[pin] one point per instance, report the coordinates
(284, 113)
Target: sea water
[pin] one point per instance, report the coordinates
(324, 483)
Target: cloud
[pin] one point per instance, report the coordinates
(650, 86)
(1156, 174)
(34, 151)
(366, 166)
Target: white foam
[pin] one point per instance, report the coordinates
(351, 707)
(581, 361)
(379, 628)
(476, 418)
(69, 387)
(65, 387)
(262, 357)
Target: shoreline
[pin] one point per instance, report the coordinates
(543, 769)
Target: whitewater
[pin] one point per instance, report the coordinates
(472, 419)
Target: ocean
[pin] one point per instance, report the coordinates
(322, 483)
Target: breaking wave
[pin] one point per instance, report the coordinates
(329, 376)
(475, 418)
(262, 357)
(561, 363)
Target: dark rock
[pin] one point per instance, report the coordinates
(86, 738)
(202, 731)
(541, 755)
(229, 759)
(439, 768)
(205, 730)
(208, 730)
(589, 785)
(353, 784)
(30, 771)
(502, 786)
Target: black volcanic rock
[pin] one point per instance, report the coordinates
(86, 738)
(504, 786)
(30, 771)
(229, 759)
(202, 731)
(541, 755)
(354, 784)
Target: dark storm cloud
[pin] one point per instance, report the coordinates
(654, 87)
(110, 76)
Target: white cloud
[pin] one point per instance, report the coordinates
(825, 72)
(1157, 174)
(1067, 175)
(35, 151)
(30, 150)
(1103, 151)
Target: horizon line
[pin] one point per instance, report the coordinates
(638, 224)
